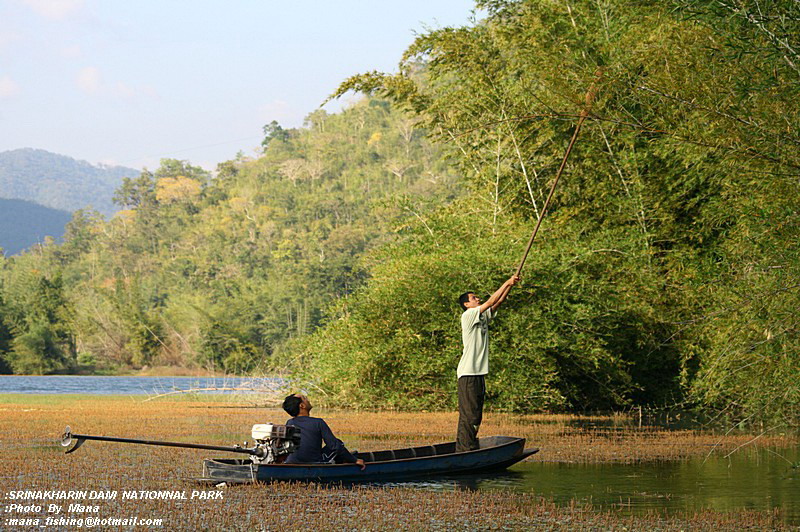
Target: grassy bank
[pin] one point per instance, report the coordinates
(33, 460)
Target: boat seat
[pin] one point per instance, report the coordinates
(444, 448)
(404, 453)
(381, 456)
(425, 451)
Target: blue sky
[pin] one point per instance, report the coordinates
(131, 82)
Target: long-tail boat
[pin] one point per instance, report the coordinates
(274, 442)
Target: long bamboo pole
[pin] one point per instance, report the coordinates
(68, 438)
(584, 113)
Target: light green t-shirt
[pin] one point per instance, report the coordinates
(475, 336)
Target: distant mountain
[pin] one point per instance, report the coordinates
(59, 181)
(24, 223)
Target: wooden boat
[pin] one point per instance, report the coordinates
(274, 442)
(495, 453)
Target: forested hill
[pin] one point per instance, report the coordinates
(59, 181)
(220, 271)
(24, 223)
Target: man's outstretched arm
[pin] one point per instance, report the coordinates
(503, 297)
(500, 295)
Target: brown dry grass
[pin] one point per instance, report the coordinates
(32, 459)
(561, 438)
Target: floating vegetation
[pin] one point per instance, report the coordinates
(32, 460)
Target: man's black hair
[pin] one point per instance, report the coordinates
(292, 405)
(463, 299)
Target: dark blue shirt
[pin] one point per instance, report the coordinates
(314, 431)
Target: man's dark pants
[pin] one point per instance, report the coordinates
(471, 393)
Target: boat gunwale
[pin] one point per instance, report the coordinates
(513, 440)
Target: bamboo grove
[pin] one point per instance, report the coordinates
(665, 275)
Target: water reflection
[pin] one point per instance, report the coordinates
(757, 479)
(513, 480)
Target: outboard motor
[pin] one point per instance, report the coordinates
(275, 442)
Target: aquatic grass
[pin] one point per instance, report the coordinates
(32, 459)
(217, 420)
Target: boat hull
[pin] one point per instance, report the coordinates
(495, 453)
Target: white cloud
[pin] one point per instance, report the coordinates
(8, 87)
(124, 91)
(55, 9)
(89, 79)
(71, 52)
(150, 91)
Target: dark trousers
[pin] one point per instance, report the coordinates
(471, 393)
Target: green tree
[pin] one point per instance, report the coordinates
(137, 192)
(274, 131)
(5, 336)
(36, 350)
(36, 316)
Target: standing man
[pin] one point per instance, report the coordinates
(474, 364)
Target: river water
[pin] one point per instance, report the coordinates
(103, 385)
(758, 479)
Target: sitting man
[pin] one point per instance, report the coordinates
(313, 431)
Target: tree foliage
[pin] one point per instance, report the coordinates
(672, 230)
